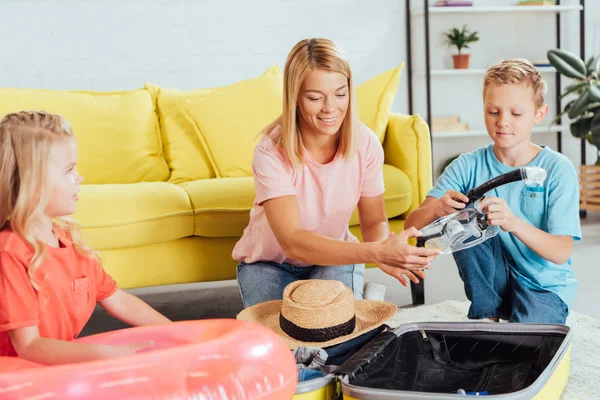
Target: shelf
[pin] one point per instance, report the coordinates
(498, 9)
(483, 132)
(473, 71)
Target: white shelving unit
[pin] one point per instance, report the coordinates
(434, 74)
(498, 9)
(467, 141)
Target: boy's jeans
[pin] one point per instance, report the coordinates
(495, 291)
(264, 280)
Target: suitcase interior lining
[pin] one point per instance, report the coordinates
(446, 361)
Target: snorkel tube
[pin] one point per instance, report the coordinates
(531, 176)
(450, 233)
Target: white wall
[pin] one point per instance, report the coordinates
(113, 45)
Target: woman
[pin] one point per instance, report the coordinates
(313, 166)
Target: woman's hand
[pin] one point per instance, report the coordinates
(498, 213)
(402, 274)
(450, 202)
(395, 252)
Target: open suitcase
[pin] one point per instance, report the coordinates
(451, 360)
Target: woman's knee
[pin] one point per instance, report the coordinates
(260, 282)
(351, 275)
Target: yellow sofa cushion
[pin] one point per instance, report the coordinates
(375, 97)
(131, 215)
(184, 152)
(183, 146)
(222, 206)
(117, 133)
(229, 120)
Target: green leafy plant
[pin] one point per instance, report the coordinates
(584, 109)
(461, 37)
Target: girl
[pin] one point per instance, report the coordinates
(312, 168)
(49, 280)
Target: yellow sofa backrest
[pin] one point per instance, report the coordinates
(210, 133)
(118, 135)
(158, 134)
(187, 150)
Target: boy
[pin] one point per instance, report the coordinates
(524, 273)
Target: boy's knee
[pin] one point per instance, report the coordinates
(538, 307)
(485, 253)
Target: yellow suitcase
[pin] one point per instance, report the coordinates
(316, 389)
(427, 361)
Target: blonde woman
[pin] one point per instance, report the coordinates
(49, 281)
(314, 165)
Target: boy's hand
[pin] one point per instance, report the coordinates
(450, 202)
(498, 213)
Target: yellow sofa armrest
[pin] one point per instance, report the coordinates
(407, 146)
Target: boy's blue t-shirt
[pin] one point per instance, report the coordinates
(553, 208)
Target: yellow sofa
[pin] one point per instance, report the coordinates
(155, 204)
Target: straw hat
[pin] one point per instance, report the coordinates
(319, 313)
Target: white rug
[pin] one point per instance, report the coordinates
(584, 381)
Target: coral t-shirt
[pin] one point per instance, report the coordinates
(70, 285)
(327, 194)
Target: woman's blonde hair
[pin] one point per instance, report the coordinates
(306, 56)
(516, 71)
(26, 139)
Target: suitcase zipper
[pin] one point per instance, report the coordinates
(337, 395)
(425, 338)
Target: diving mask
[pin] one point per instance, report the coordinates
(468, 227)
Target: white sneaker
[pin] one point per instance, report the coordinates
(374, 291)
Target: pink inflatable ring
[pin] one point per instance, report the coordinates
(208, 359)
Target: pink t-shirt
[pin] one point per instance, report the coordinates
(327, 194)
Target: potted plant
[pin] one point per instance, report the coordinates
(461, 39)
(584, 115)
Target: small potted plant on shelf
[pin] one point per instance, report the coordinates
(584, 115)
(461, 39)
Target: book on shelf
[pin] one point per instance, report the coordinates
(445, 120)
(453, 3)
(541, 63)
(536, 3)
(436, 128)
(448, 124)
